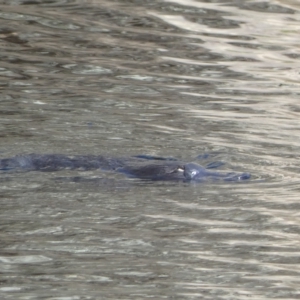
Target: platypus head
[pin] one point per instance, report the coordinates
(192, 171)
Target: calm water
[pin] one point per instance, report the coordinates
(171, 78)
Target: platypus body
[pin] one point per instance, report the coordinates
(141, 166)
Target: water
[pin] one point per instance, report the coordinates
(168, 78)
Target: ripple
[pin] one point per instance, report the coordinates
(26, 259)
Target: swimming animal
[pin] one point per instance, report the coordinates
(140, 166)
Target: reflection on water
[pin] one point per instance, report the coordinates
(168, 78)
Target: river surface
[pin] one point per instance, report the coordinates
(175, 78)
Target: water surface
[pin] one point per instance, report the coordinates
(167, 78)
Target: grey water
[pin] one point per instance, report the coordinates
(167, 78)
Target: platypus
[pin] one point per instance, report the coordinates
(140, 166)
